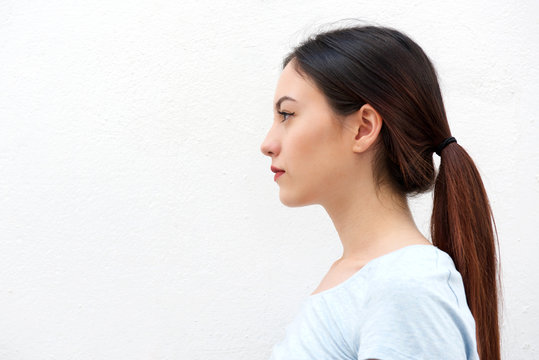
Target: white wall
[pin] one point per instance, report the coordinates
(139, 219)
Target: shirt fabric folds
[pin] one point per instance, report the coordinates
(407, 304)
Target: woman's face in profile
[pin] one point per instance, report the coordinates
(308, 145)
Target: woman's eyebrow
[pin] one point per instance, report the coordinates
(283, 98)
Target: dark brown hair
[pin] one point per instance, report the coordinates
(383, 67)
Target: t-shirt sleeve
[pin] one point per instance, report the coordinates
(405, 320)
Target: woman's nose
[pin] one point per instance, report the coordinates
(265, 148)
(269, 146)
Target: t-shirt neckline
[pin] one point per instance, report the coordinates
(369, 264)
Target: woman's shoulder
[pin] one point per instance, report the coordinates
(412, 261)
(417, 272)
(411, 303)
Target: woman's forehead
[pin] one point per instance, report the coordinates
(292, 84)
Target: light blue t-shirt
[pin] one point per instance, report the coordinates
(407, 304)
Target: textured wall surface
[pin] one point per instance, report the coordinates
(139, 219)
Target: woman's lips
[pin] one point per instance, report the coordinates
(277, 174)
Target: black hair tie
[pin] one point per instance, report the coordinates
(444, 143)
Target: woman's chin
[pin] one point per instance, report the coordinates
(293, 200)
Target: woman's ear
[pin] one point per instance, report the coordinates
(366, 124)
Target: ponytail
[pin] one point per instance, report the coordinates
(463, 226)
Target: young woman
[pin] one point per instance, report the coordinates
(358, 117)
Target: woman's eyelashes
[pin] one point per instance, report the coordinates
(284, 115)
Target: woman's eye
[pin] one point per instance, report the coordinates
(285, 114)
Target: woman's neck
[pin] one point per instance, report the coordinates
(373, 223)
